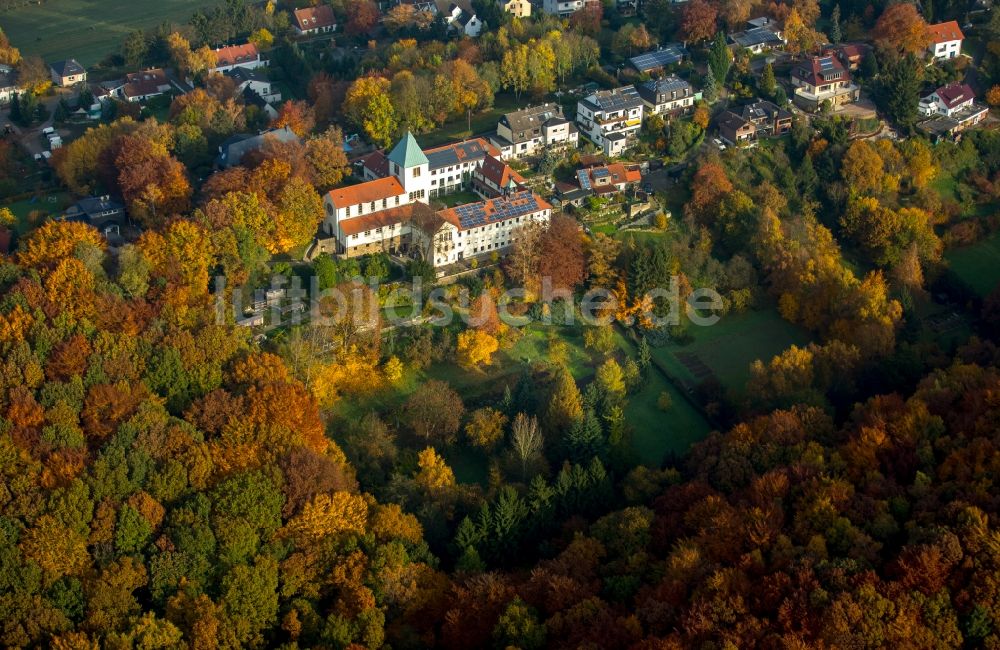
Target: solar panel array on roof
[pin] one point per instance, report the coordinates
(667, 55)
(584, 178)
(618, 99)
(826, 64)
(756, 36)
(473, 215)
(600, 172)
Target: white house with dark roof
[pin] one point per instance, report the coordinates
(950, 110)
(67, 73)
(947, 100)
(611, 119)
(145, 84)
(667, 96)
(255, 80)
(526, 132)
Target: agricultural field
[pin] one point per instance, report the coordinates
(86, 30)
(978, 265)
(726, 350)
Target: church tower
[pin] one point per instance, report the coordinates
(410, 166)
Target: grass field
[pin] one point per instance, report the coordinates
(481, 122)
(53, 203)
(978, 265)
(731, 345)
(654, 433)
(86, 30)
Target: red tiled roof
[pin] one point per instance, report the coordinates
(499, 173)
(954, 94)
(818, 70)
(377, 163)
(401, 214)
(462, 150)
(382, 188)
(234, 54)
(944, 32)
(147, 82)
(315, 17)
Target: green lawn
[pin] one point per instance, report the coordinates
(978, 265)
(86, 30)
(481, 122)
(731, 345)
(52, 203)
(654, 432)
(459, 198)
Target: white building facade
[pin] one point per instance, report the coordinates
(611, 119)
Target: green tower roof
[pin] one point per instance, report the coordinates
(407, 153)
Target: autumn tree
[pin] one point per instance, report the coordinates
(368, 106)
(901, 29)
(297, 116)
(475, 348)
(565, 403)
(698, 20)
(434, 411)
(152, 182)
(485, 427)
(561, 258)
(362, 18)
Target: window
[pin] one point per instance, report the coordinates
(416, 172)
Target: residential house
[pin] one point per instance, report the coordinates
(257, 82)
(495, 178)
(563, 8)
(667, 96)
(752, 122)
(850, 54)
(821, 79)
(948, 100)
(608, 179)
(946, 40)
(769, 23)
(67, 73)
(314, 20)
(654, 62)
(468, 24)
(527, 131)
(140, 86)
(237, 56)
(8, 86)
(951, 109)
(757, 39)
(101, 212)
(518, 8)
(232, 150)
(611, 119)
(449, 167)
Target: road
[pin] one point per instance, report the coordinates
(31, 139)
